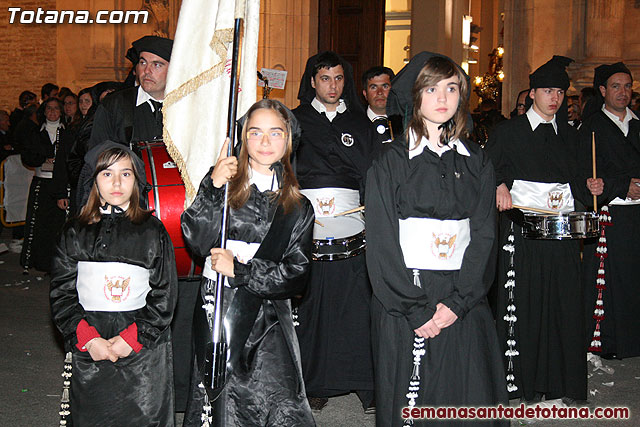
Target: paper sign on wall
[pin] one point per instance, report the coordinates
(276, 78)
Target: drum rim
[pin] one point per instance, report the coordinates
(339, 243)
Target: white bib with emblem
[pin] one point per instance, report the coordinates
(330, 201)
(242, 250)
(433, 244)
(112, 286)
(542, 195)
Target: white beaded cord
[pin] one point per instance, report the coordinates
(418, 351)
(510, 317)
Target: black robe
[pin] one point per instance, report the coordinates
(617, 161)
(138, 389)
(44, 219)
(462, 365)
(548, 292)
(334, 313)
(271, 392)
(118, 119)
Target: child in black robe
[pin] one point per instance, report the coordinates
(430, 229)
(265, 262)
(113, 292)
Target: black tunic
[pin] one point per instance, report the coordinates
(334, 313)
(548, 291)
(272, 391)
(462, 365)
(138, 389)
(44, 219)
(618, 160)
(118, 119)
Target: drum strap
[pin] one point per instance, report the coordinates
(245, 306)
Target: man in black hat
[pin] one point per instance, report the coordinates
(331, 166)
(617, 138)
(540, 314)
(134, 114)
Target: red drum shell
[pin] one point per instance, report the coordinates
(167, 199)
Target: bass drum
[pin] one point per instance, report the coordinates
(167, 199)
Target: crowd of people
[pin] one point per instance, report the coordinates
(445, 303)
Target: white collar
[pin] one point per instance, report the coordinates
(143, 97)
(535, 120)
(262, 181)
(629, 115)
(320, 108)
(52, 125)
(456, 143)
(108, 210)
(373, 116)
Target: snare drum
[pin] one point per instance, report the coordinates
(574, 225)
(167, 199)
(340, 238)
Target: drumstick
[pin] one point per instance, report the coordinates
(535, 209)
(318, 222)
(593, 164)
(354, 210)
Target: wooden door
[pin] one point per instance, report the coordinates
(355, 30)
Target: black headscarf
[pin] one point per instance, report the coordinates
(91, 159)
(296, 132)
(400, 99)
(306, 93)
(600, 77)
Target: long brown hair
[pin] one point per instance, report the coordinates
(439, 68)
(289, 192)
(90, 212)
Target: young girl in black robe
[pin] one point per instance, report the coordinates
(268, 254)
(430, 229)
(113, 292)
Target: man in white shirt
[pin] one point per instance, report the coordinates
(617, 136)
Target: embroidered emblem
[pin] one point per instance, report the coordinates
(381, 129)
(555, 200)
(347, 139)
(326, 206)
(116, 288)
(443, 245)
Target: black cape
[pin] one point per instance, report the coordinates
(271, 391)
(548, 292)
(618, 160)
(462, 365)
(138, 389)
(118, 119)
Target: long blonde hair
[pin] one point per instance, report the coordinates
(439, 68)
(289, 192)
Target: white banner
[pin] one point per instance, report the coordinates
(197, 94)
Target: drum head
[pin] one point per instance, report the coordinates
(337, 228)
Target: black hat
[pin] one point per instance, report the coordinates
(551, 74)
(157, 45)
(400, 100)
(603, 72)
(306, 92)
